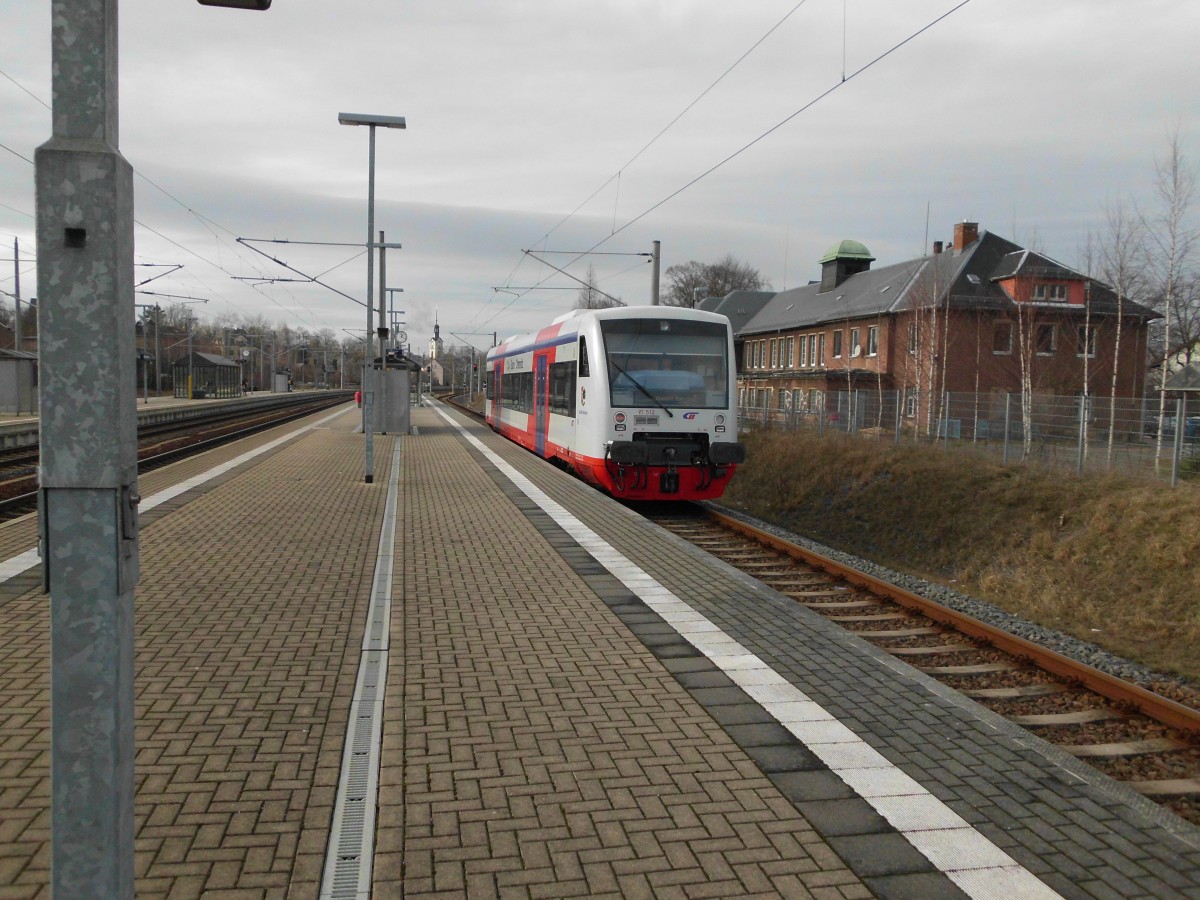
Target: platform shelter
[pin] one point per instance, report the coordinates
(202, 375)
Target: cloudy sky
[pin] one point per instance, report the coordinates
(539, 125)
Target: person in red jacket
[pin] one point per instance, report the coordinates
(358, 399)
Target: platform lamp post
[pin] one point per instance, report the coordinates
(372, 122)
(88, 422)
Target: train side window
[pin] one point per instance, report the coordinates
(583, 358)
(562, 389)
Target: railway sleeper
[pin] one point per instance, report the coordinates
(1126, 748)
(898, 633)
(930, 651)
(846, 604)
(1016, 692)
(1167, 787)
(978, 669)
(1080, 717)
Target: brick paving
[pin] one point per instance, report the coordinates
(542, 750)
(250, 610)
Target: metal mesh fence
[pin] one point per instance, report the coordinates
(1089, 435)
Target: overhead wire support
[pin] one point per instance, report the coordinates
(591, 287)
(172, 267)
(173, 296)
(578, 253)
(305, 276)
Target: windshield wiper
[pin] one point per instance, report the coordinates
(641, 388)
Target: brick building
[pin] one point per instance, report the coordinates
(982, 315)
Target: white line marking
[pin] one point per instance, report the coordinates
(980, 868)
(23, 562)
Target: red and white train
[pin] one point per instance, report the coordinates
(640, 401)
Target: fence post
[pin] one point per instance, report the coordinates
(1177, 450)
(899, 415)
(1007, 426)
(1083, 419)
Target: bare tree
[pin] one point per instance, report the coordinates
(1122, 257)
(1171, 244)
(687, 280)
(590, 295)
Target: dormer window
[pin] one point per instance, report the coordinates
(1050, 293)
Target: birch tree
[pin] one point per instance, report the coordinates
(1122, 255)
(1171, 243)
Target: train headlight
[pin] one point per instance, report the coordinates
(619, 418)
(719, 419)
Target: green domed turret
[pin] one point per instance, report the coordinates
(845, 258)
(847, 249)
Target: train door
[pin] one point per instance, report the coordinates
(541, 388)
(495, 406)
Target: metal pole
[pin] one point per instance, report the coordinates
(17, 297)
(17, 322)
(654, 275)
(383, 334)
(157, 349)
(1081, 452)
(191, 373)
(88, 422)
(368, 375)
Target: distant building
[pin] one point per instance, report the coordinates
(971, 317)
(435, 342)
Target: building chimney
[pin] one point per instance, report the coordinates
(937, 247)
(965, 234)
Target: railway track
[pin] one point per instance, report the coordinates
(1146, 740)
(158, 445)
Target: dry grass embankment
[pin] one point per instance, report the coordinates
(1109, 560)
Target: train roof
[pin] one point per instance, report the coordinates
(570, 322)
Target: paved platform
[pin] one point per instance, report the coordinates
(574, 703)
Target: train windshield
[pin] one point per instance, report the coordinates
(668, 363)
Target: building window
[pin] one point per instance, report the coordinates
(910, 402)
(1002, 338)
(1052, 293)
(803, 351)
(855, 347)
(812, 349)
(791, 353)
(812, 399)
(1046, 340)
(774, 353)
(1085, 341)
(912, 338)
(837, 345)
(821, 350)
(747, 355)
(873, 340)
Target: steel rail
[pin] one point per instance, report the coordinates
(1156, 707)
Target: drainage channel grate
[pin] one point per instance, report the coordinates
(348, 859)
